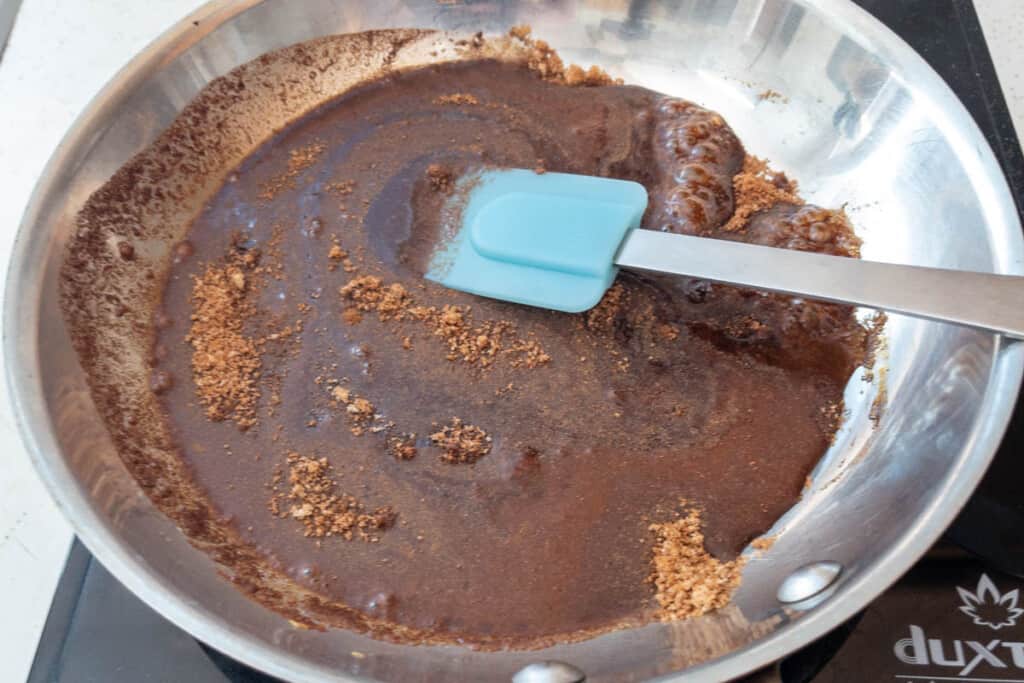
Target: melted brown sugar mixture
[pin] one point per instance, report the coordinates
(468, 468)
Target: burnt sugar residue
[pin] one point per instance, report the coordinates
(464, 469)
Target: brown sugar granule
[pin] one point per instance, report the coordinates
(475, 344)
(461, 443)
(689, 581)
(225, 362)
(543, 59)
(299, 160)
(481, 344)
(363, 291)
(595, 75)
(368, 293)
(457, 98)
(757, 187)
(341, 187)
(403, 448)
(602, 317)
(746, 328)
(303, 157)
(529, 354)
(470, 344)
(338, 255)
(521, 32)
(237, 278)
(359, 410)
(392, 301)
(441, 178)
(313, 500)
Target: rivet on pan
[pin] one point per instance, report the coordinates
(549, 671)
(808, 582)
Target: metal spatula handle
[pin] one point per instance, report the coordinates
(982, 300)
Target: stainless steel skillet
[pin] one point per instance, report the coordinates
(866, 122)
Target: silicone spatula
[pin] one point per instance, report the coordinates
(557, 240)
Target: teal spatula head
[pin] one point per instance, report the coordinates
(545, 239)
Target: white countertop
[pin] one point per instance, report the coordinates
(60, 53)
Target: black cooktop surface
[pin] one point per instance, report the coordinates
(957, 615)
